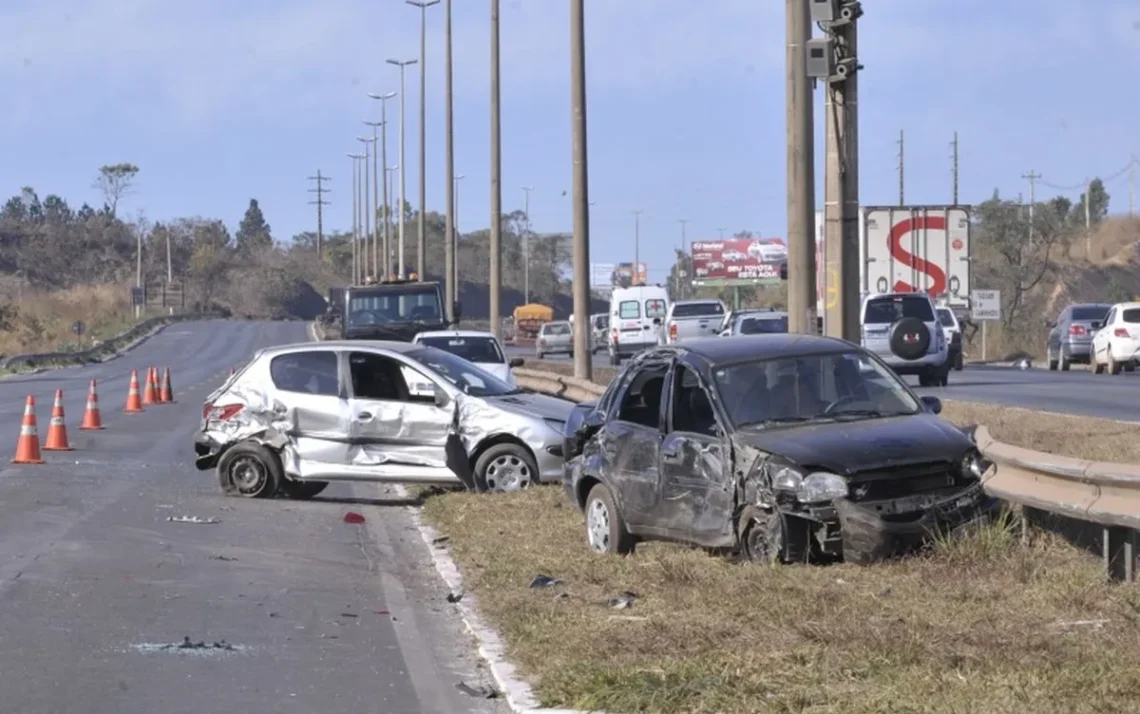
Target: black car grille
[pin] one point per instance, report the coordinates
(900, 481)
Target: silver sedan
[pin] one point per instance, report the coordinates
(298, 416)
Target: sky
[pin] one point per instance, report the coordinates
(219, 102)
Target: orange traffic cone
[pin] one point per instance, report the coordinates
(134, 401)
(28, 446)
(92, 421)
(150, 392)
(166, 396)
(57, 427)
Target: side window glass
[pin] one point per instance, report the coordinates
(380, 378)
(629, 310)
(641, 403)
(691, 409)
(306, 373)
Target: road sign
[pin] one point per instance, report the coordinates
(138, 297)
(986, 304)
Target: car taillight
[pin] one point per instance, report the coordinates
(615, 333)
(222, 413)
(1121, 332)
(1077, 330)
(672, 330)
(542, 340)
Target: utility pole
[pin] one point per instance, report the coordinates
(954, 165)
(841, 183)
(451, 237)
(421, 244)
(721, 231)
(375, 253)
(355, 215)
(683, 289)
(800, 171)
(390, 185)
(383, 99)
(403, 172)
(526, 243)
(366, 224)
(320, 203)
(902, 170)
(455, 228)
(637, 242)
(496, 238)
(583, 368)
(1032, 177)
(1132, 186)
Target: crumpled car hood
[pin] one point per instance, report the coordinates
(536, 405)
(847, 447)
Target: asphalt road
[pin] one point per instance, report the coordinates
(1076, 392)
(94, 580)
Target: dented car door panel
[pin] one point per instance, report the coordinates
(401, 441)
(316, 427)
(629, 456)
(696, 501)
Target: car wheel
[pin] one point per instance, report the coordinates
(605, 528)
(1129, 366)
(1066, 362)
(959, 362)
(1051, 360)
(925, 380)
(942, 378)
(770, 537)
(302, 490)
(1098, 368)
(506, 467)
(250, 470)
(1113, 365)
(540, 355)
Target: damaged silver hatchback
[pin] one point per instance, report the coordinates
(298, 416)
(778, 447)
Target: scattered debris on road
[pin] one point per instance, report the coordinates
(480, 691)
(623, 601)
(188, 646)
(454, 597)
(544, 581)
(193, 519)
(224, 558)
(353, 518)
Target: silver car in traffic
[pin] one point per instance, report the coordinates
(298, 416)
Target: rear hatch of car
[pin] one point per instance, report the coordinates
(1081, 327)
(1130, 329)
(695, 319)
(880, 313)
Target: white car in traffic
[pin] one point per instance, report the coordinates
(482, 348)
(1116, 343)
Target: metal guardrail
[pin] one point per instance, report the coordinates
(105, 349)
(1101, 495)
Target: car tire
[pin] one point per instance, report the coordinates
(505, 467)
(769, 537)
(250, 470)
(302, 490)
(1129, 366)
(1066, 361)
(1097, 367)
(605, 528)
(541, 355)
(1049, 358)
(959, 362)
(1113, 365)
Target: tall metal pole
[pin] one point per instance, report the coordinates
(526, 243)
(451, 241)
(455, 224)
(636, 245)
(841, 190)
(421, 244)
(954, 166)
(366, 224)
(355, 212)
(801, 173)
(583, 367)
(320, 203)
(390, 187)
(684, 279)
(383, 99)
(496, 237)
(403, 171)
(375, 252)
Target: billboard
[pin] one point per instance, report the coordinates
(602, 277)
(625, 274)
(738, 261)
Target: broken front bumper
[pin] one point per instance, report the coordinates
(208, 450)
(867, 536)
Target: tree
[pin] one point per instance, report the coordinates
(253, 233)
(1097, 202)
(115, 181)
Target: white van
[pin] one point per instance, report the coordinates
(637, 317)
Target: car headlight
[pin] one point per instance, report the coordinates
(974, 465)
(556, 424)
(814, 487)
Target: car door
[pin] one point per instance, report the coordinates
(1101, 336)
(631, 438)
(308, 403)
(696, 496)
(401, 431)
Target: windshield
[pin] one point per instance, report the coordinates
(1090, 312)
(463, 374)
(846, 386)
(483, 350)
(698, 309)
(945, 317)
(386, 306)
(763, 325)
(556, 328)
(886, 310)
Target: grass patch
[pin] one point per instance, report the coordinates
(981, 624)
(40, 321)
(1077, 436)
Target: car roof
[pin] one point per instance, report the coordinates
(746, 348)
(1127, 305)
(698, 301)
(456, 333)
(891, 296)
(333, 345)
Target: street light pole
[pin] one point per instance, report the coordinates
(583, 368)
(450, 232)
(403, 173)
(526, 243)
(683, 288)
(390, 185)
(455, 225)
(423, 5)
(637, 242)
(355, 214)
(366, 224)
(374, 255)
(495, 240)
(383, 98)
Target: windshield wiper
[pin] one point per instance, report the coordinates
(864, 413)
(763, 423)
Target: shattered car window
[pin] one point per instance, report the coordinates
(691, 409)
(306, 372)
(641, 403)
(473, 349)
(787, 390)
(463, 374)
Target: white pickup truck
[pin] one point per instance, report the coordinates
(687, 319)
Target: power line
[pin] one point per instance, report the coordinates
(1081, 185)
(320, 203)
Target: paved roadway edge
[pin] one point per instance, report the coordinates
(518, 693)
(116, 355)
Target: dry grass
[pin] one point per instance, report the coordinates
(38, 321)
(977, 625)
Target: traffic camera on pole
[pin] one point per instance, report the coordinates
(828, 57)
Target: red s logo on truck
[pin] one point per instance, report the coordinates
(894, 244)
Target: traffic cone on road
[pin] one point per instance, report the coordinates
(166, 396)
(57, 427)
(134, 401)
(92, 421)
(150, 392)
(28, 446)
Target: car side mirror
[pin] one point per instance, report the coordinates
(441, 398)
(657, 322)
(594, 420)
(1096, 324)
(517, 362)
(932, 404)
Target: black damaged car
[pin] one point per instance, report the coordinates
(779, 447)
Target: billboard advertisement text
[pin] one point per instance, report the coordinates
(738, 261)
